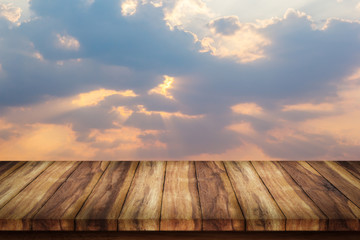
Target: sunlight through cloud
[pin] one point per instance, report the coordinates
(163, 88)
(94, 97)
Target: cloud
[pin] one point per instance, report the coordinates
(67, 42)
(231, 39)
(94, 97)
(10, 12)
(225, 25)
(130, 86)
(251, 109)
(38, 142)
(180, 13)
(244, 128)
(163, 88)
(128, 7)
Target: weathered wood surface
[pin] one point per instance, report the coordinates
(219, 206)
(180, 205)
(60, 210)
(101, 210)
(8, 167)
(180, 196)
(340, 178)
(342, 213)
(141, 210)
(300, 211)
(352, 166)
(38, 235)
(18, 212)
(259, 207)
(11, 185)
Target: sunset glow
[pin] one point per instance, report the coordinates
(94, 97)
(179, 79)
(163, 88)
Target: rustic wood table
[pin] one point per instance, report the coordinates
(179, 196)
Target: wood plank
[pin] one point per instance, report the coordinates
(102, 209)
(8, 167)
(141, 210)
(352, 166)
(301, 212)
(59, 212)
(17, 213)
(343, 180)
(219, 206)
(342, 213)
(15, 182)
(181, 204)
(260, 210)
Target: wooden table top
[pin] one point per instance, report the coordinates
(180, 196)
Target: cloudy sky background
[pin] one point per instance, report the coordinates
(179, 79)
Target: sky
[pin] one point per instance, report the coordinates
(179, 80)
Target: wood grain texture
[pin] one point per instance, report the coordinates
(180, 196)
(352, 166)
(180, 205)
(18, 212)
(8, 167)
(342, 179)
(58, 214)
(15, 182)
(102, 209)
(219, 206)
(37, 235)
(260, 210)
(342, 213)
(141, 210)
(301, 212)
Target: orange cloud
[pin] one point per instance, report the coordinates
(123, 112)
(242, 128)
(163, 88)
(251, 109)
(122, 143)
(56, 106)
(354, 76)
(166, 115)
(58, 142)
(43, 142)
(343, 125)
(94, 97)
(282, 134)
